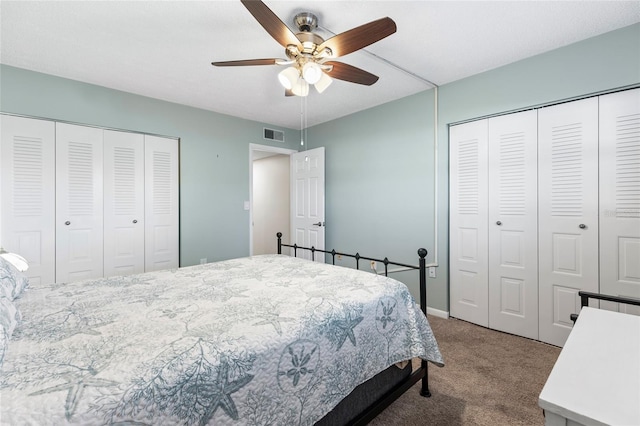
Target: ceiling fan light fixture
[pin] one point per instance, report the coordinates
(288, 77)
(324, 82)
(311, 72)
(301, 88)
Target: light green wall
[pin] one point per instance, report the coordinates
(380, 162)
(391, 146)
(214, 151)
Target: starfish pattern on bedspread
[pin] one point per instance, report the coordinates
(222, 393)
(345, 328)
(74, 386)
(274, 319)
(190, 383)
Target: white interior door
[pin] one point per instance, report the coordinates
(307, 201)
(123, 203)
(27, 185)
(620, 196)
(161, 203)
(79, 202)
(513, 224)
(468, 258)
(568, 212)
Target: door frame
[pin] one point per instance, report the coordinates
(260, 148)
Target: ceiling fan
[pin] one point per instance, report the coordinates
(309, 55)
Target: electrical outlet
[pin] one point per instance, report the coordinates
(432, 272)
(373, 265)
(339, 257)
(203, 260)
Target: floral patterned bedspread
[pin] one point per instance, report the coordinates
(261, 340)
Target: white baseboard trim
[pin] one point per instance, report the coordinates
(437, 313)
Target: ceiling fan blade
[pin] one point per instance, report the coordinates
(245, 62)
(270, 22)
(347, 72)
(359, 37)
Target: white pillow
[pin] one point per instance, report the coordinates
(12, 281)
(18, 261)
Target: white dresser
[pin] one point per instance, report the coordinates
(596, 379)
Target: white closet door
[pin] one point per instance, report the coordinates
(568, 212)
(161, 203)
(513, 224)
(27, 188)
(468, 257)
(620, 196)
(79, 202)
(123, 203)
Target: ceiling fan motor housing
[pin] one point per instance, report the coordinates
(306, 21)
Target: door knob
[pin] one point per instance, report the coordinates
(582, 226)
(67, 223)
(135, 220)
(498, 223)
(319, 224)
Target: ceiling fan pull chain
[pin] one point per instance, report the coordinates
(302, 121)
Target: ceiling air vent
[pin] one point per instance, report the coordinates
(273, 135)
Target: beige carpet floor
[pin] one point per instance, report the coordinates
(489, 378)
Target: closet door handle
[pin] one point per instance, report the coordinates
(135, 220)
(67, 223)
(498, 223)
(582, 226)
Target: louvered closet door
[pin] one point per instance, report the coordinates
(568, 212)
(468, 258)
(161, 203)
(620, 197)
(513, 224)
(79, 202)
(27, 189)
(123, 203)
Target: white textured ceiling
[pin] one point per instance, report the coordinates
(163, 49)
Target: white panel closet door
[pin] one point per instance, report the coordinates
(568, 212)
(79, 202)
(513, 224)
(161, 203)
(123, 203)
(620, 197)
(468, 257)
(27, 187)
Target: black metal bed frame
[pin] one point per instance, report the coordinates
(586, 295)
(421, 373)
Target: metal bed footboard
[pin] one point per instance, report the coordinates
(586, 295)
(421, 373)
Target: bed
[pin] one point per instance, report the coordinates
(269, 339)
